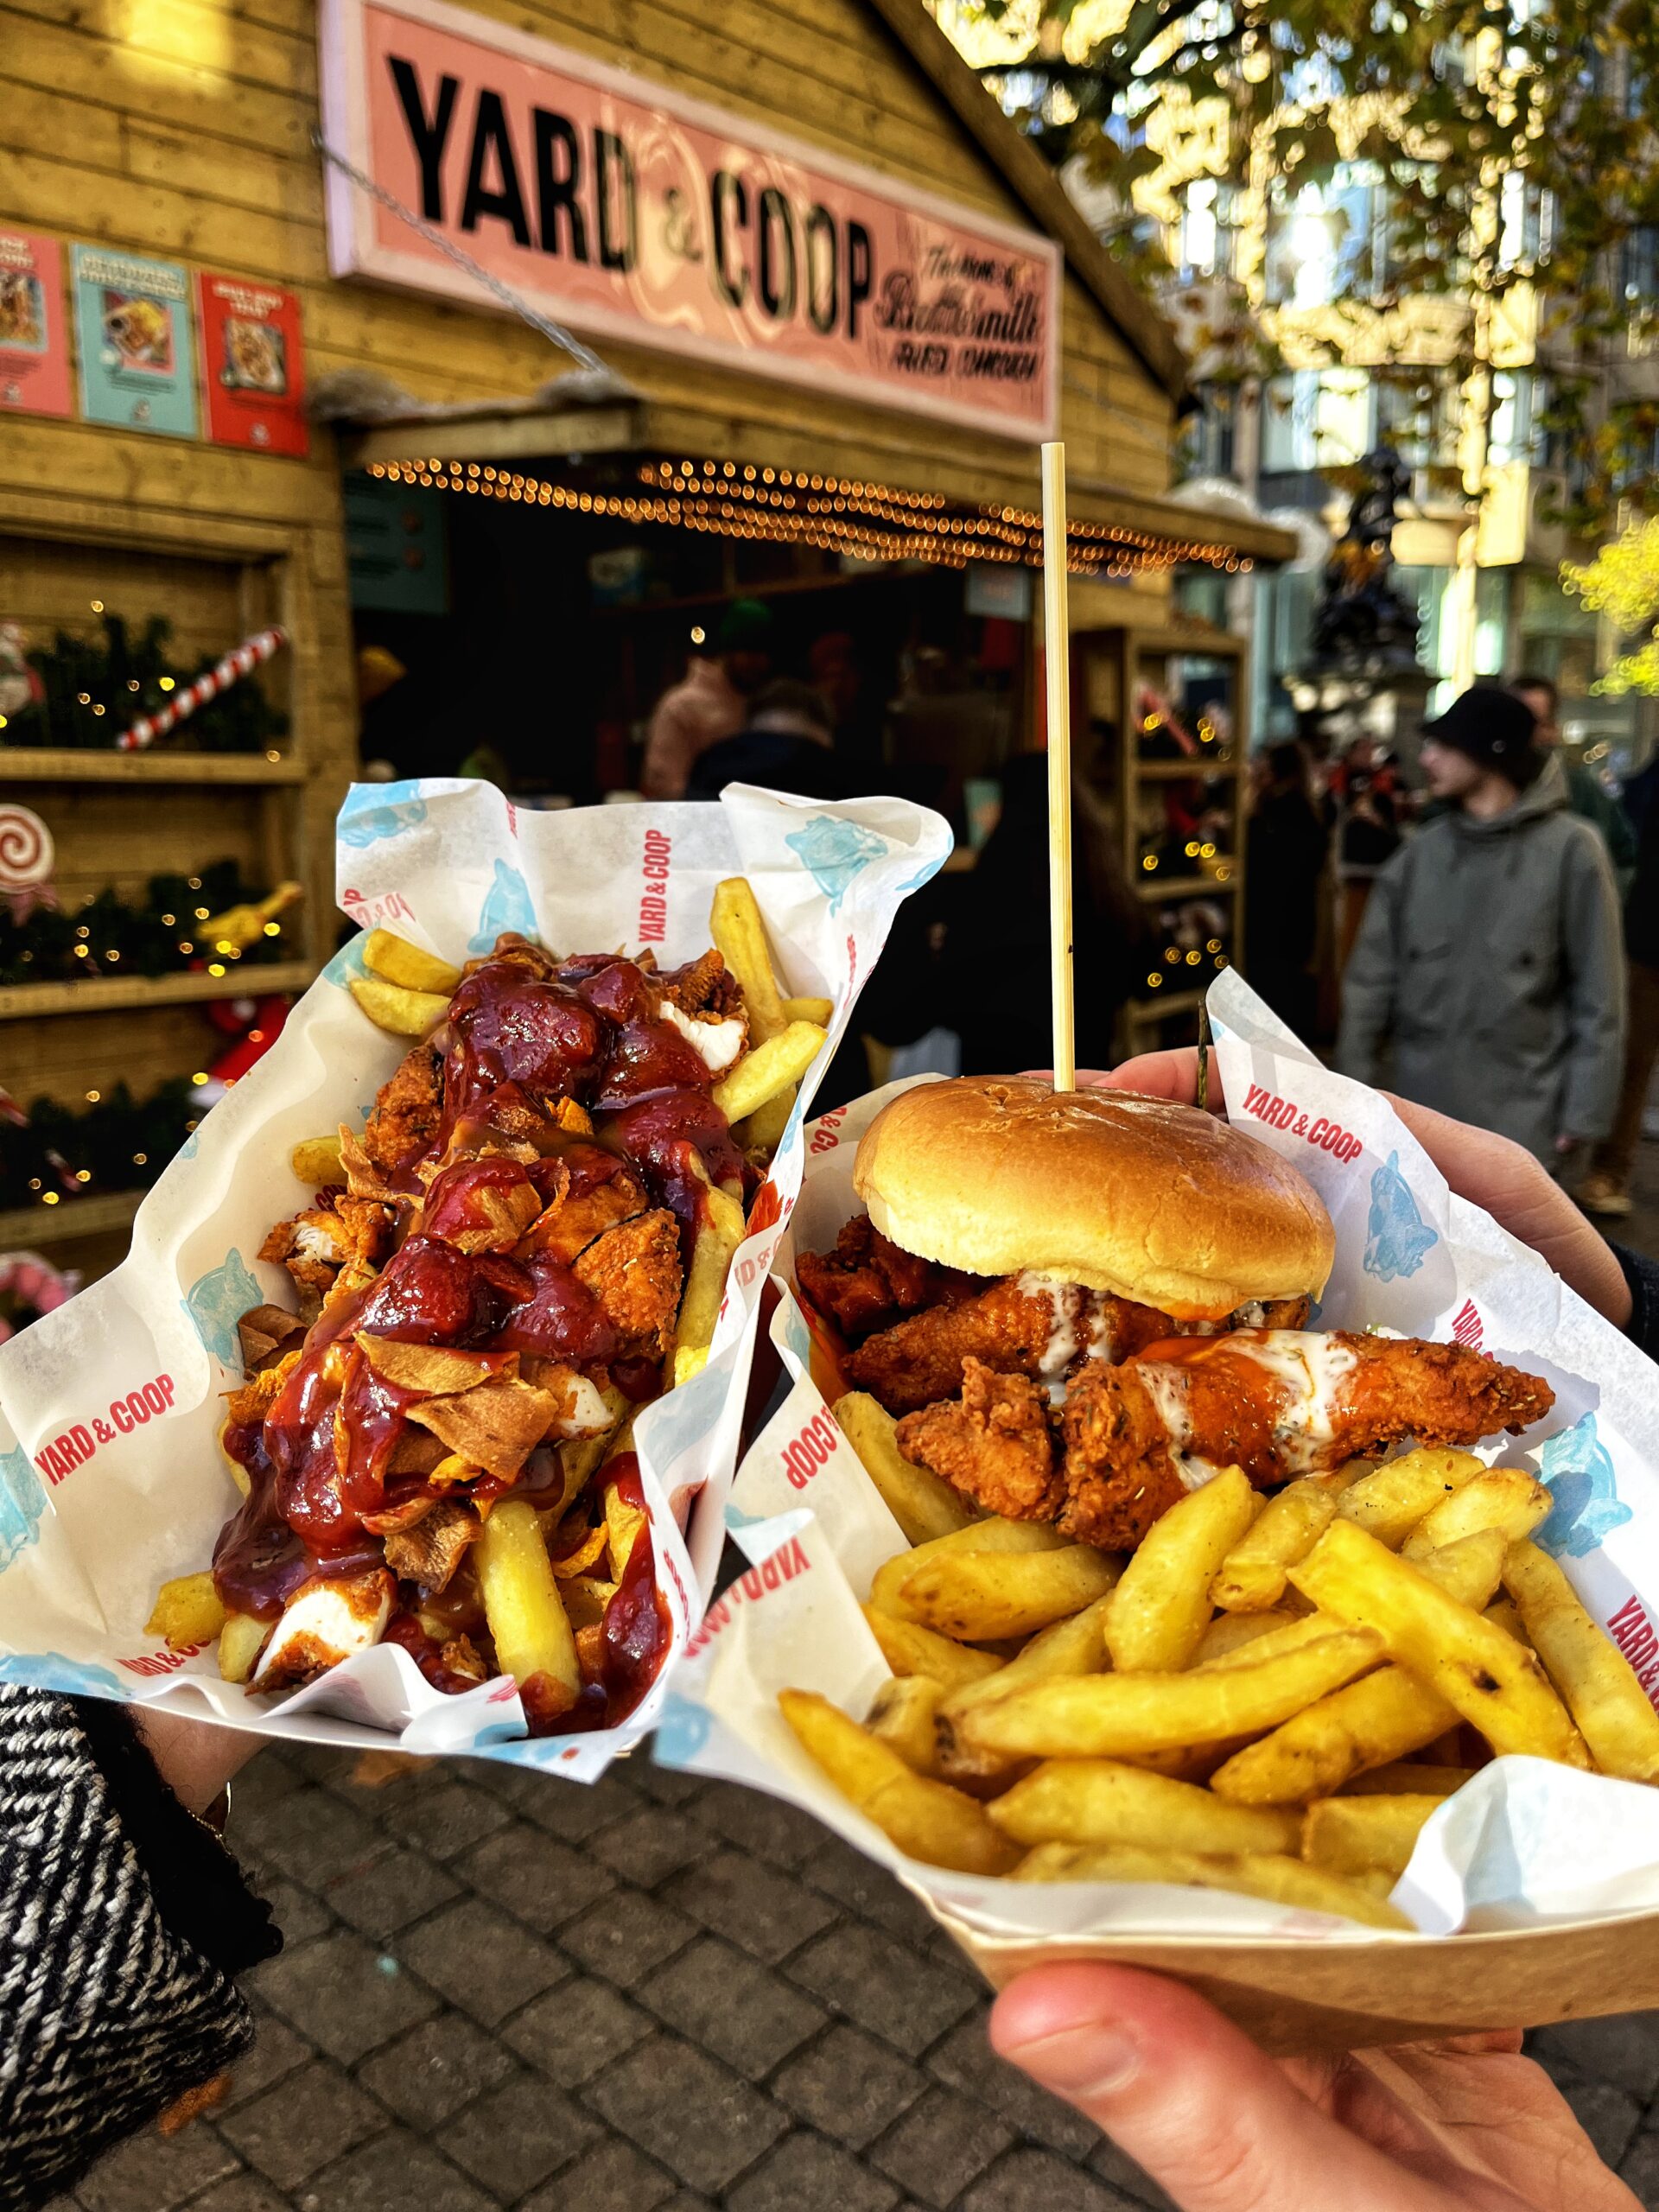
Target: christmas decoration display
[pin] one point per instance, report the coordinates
(83, 692)
(51, 1156)
(27, 853)
(30, 1286)
(211, 685)
(208, 923)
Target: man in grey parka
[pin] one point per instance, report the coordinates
(1488, 979)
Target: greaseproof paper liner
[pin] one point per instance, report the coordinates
(1525, 1843)
(111, 1477)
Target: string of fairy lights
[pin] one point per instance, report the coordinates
(866, 520)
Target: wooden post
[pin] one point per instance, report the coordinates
(1057, 655)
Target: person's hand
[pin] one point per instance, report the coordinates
(195, 1758)
(1467, 2126)
(1492, 1172)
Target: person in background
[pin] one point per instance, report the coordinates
(786, 744)
(710, 700)
(1365, 787)
(1587, 796)
(835, 672)
(1606, 1188)
(1285, 844)
(1489, 967)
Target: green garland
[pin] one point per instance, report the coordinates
(108, 936)
(117, 1143)
(93, 690)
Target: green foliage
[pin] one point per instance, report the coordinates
(1622, 583)
(111, 936)
(96, 688)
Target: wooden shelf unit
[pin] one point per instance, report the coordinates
(72, 1219)
(104, 994)
(22, 763)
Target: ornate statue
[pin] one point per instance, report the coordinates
(1361, 622)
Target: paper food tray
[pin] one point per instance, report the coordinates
(1535, 1890)
(111, 1477)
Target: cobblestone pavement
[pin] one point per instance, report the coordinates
(653, 1996)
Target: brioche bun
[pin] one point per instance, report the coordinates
(1137, 1196)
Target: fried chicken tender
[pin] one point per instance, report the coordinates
(407, 1111)
(312, 1244)
(633, 1270)
(705, 985)
(577, 1216)
(430, 1550)
(866, 1281)
(994, 1444)
(1276, 1403)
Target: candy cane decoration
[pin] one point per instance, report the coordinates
(26, 857)
(231, 669)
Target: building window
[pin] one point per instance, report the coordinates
(1315, 418)
(1325, 240)
(1513, 433)
(1208, 432)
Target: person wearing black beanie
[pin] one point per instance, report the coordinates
(1488, 980)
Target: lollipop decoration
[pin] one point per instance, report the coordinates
(235, 664)
(26, 855)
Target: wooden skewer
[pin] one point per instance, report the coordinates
(1058, 661)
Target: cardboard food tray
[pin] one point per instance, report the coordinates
(1534, 1891)
(111, 1477)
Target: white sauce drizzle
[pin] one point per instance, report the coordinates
(1313, 1368)
(718, 1043)
(1166, 1384)
(1061, 1348)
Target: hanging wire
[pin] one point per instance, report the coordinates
(554, 332)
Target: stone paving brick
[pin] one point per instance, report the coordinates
(482, 1961)
(1639, 2169)
(269, 1777)
(686, 2112)
(435, 2068)
(940, 2145)
(396, 2173)
(1026, 2179)
(666, 1785)
(1117, 2168)
(849, 2085)
(577, 2029)
(764, 1913)
(1609, 2117)
(295, 1911)
(311, 1835)
(626, 1937)
(152, 2173)
(869, 1891)
(806, 2174)
(763, 1825)
(276, 2051)
(242, 2193)
(301, 2123)
(390, 1891)
(512, 2139)
(646, 1846)
(965, 2061)
(1624, 2050)
(443, 1818)
(528, 1874)
(611, 2178)
(725, 2002)
(572, 1809)
(340, 1997)
(886, 1988)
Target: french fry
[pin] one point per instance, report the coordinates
(625, 1523)
(1074, 1646)
(1289, 1636)
(1503, 1613)
(241, 1640)
(526, 1618)
(991, 1534)
(910, 1648)
(739, 936)
(186, 1611)
(770, 1068)
(1313, 1752)
(1388, 1503)
(926, 1820)
(1261, 1874)
(401, 1013)
(1102, 1801)
(1409, 1778)
(1364, 1835)
(1251, 1577)
(1162, 1606)
(317, 1162)
(1587, 1668)
(919, 1501)
(763, 1130)
(1230, 1632)
(1118, 1716)
(980, 1597)
(903, 1715)
(809, 1009)
(719, 1232)
(395, 960)
(1495, 1684)
(1503, 1498)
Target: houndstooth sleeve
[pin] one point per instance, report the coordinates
(122, 1920)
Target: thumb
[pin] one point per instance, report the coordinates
(1191, 2098)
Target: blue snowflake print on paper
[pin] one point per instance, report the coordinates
(1397, 1238)
(1577, 1471)
(50, 1670)
(22, 1500)
(346, 966)
(507, 906)
(217, 1300)
(923, 875)
(835, 853)
(682, 1731)
(375, 811)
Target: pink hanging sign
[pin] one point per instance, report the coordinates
(630, 212)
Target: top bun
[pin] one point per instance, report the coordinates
(1150, 1200)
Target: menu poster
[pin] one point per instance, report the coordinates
(133, 336)
(34, 347)
(252, 368)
